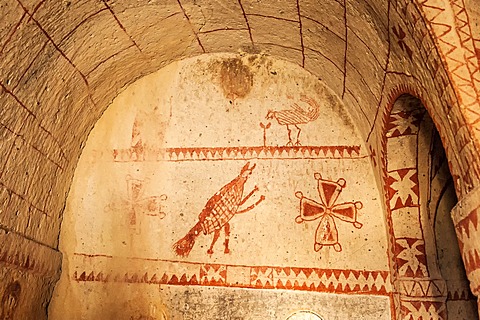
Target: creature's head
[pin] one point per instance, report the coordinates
(246, 171)
(270, 114)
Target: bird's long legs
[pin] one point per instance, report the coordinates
(289, 143)
(215, 238)
(298, 136)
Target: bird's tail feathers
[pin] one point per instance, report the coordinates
(183, 246)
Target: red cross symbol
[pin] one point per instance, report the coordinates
(327, 211)
(138, 204)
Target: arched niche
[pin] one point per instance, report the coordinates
(427, 269)
(461, 304)
(174, 157)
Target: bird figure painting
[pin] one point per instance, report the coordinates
(218, 212)
(296, 116)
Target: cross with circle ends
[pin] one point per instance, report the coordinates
(326, 210)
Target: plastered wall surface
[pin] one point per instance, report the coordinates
(181, 150)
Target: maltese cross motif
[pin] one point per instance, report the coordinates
(137, 204)
(327, 211)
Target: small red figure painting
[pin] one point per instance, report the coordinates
(218, 212)
(149, 206)
(296, 115)
(327, 211)
(137, 205)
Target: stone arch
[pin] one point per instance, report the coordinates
(408, 133)
(454, 35)
(439, 111)
(441, 198)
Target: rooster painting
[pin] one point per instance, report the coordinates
(295, 116)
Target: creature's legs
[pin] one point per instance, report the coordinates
(289, 143)
(248, 196)
(227, 237)
(262, 197)
(215, 238)
(298, 136)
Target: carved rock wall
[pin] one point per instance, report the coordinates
(63, 62)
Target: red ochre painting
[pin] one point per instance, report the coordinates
(193, 184)
(327, 211)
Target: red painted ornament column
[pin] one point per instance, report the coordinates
(422, 292)
(465, 217)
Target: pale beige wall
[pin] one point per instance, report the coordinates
(215, 104)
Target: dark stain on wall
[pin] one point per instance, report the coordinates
(236, 79)
(9, 301)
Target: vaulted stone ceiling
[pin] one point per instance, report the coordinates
(62, 63)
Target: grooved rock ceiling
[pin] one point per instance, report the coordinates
(62, 63)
